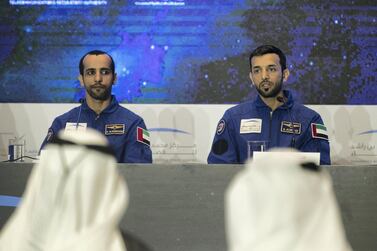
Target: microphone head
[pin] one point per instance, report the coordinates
(280, 99)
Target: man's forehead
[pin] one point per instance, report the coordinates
(265, 60)
(97, 61)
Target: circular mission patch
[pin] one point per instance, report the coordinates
(220, 127)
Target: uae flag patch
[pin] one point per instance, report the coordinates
(319, 131)
(143, 136)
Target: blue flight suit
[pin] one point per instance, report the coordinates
(125, 131)
(255, 121)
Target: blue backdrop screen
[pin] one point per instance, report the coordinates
(188, 51)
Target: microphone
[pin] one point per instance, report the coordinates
(284, 101)
(81, 100)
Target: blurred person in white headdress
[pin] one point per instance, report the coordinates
(74, 199)
(281, 203)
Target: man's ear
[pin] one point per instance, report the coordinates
(285, 75)
(251, 78)
(80, 78)
(115, 78)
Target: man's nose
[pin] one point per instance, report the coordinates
(265, 74)
(98, 77)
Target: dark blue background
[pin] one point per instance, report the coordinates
(194, 52)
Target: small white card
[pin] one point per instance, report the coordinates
(70, 126)
(251, 126)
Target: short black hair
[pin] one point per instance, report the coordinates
(96, 52)
(267, 49)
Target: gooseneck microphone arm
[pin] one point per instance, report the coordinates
(284, 101)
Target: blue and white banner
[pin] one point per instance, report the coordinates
(184, 133)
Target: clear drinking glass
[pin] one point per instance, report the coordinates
(256, 146)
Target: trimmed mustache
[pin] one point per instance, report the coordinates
(97, 86)
(266, 82)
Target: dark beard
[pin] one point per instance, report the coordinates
(103, 95)
(274, 92)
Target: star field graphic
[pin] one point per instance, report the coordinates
(187, 51)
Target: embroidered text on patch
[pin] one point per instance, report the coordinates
(319, 131)
(290, 127)
(117, 129)
(253, 125)
(142, 136)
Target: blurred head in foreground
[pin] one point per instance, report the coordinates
(74, 199)
(280, 203)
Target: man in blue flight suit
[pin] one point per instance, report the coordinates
(273, 117)
(125, 131)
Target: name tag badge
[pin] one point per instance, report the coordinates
(251, 126)
(71, 126)
(115, 129)
(289, 127)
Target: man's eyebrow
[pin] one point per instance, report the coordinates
(270, 65)
(103, 68)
